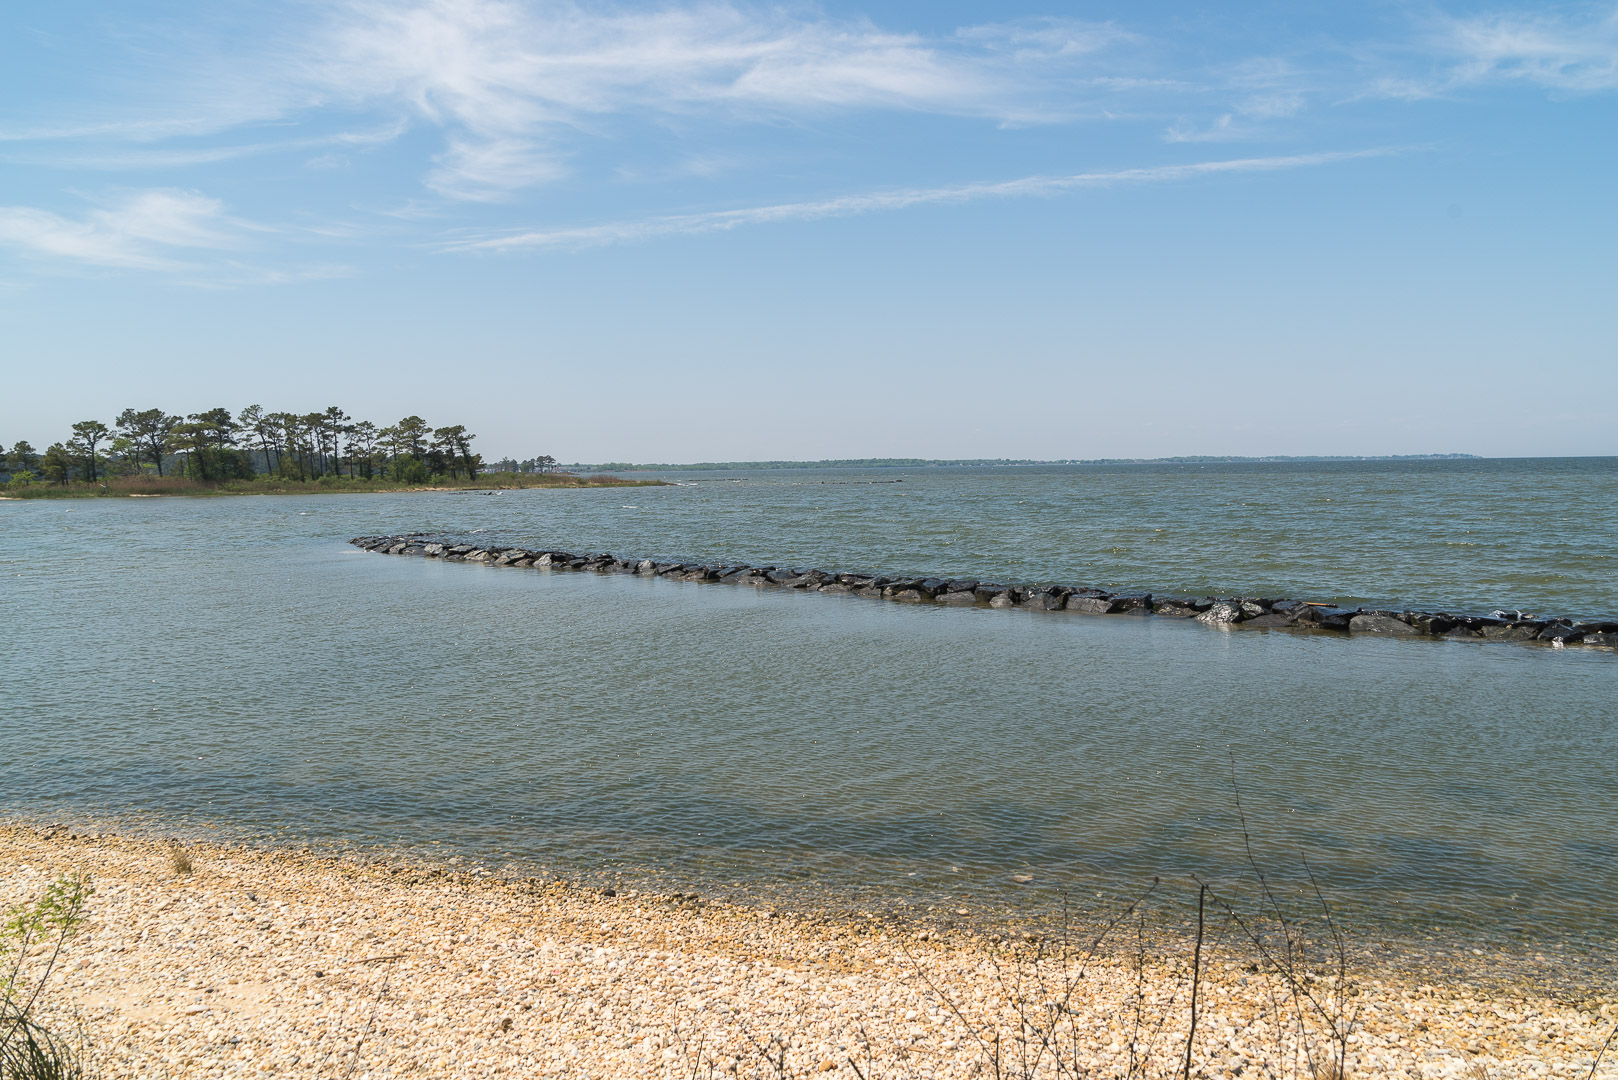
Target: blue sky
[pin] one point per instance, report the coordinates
(720, 230)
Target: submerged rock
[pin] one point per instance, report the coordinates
(1522, 631)
(1374, 622)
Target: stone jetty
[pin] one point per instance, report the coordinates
(1248, 613)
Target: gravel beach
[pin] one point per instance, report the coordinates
(286, 963)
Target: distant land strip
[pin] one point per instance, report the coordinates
(1221, 612)
(924, 463)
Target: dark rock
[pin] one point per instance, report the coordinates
(1288, 607)
(1562, 632)
(667, 568)
(1090, 605)
(958, 596)
(1252, 609)
(932, 586)
(1054, 599)
(1478, 622)
(1522, 631)
(1328, 618)
(780, 577)
(1274, 620)
(1377, 622)
(906, 596)
(986, 592)
(1436, 625)
(959, 585)
(837, 588)
(1172, 609)
(1603, 639)
(1222, 613)
(462, 549)
(1005, 598)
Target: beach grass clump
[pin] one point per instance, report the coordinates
(180, 860)
(32, 937)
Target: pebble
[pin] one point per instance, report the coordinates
(291, 964)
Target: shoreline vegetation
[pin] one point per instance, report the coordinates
(148, 486)
(204, 959)
(150, 452)
(1247, 613)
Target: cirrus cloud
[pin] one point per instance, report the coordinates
(146, 230)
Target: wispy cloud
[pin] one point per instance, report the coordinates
(1569, 51)
(184, 235)
(124, 158)
(512, 83)
(147, 231)
(623, 232)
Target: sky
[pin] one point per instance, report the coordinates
(729, 231)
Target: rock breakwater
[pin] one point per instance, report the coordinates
(1248, 613)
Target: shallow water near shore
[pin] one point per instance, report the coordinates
(232, 665)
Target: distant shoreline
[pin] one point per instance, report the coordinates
(990, 463)
(148, 487)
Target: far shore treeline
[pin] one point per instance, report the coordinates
(253, 448)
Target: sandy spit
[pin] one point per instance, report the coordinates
(290, 964)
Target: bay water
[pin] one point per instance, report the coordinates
(232, 667)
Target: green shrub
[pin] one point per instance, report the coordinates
(29, 1050)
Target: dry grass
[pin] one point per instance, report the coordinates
(180, 860)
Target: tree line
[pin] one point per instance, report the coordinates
(213, 445)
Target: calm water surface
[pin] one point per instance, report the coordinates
(231, 664)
